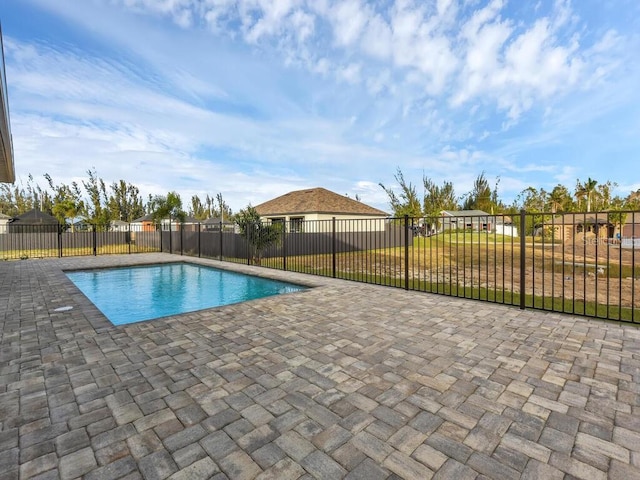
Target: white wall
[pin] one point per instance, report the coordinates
(316, 223)
(630, 243)
(507, 230)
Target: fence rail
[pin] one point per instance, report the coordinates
(579, 263)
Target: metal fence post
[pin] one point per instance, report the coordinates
(95, 239)
(333, 246)
(199, 253)
(523, 264)
(284, 247)
(170, 236)
(160, 230)
(181, 237)
(59, 241)
(249, 232)
(221, 245)
(406, 252)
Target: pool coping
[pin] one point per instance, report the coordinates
(100, 322)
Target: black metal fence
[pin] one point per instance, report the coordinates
(54, 240)
(580, 263)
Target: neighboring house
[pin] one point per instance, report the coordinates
(34, 221)
(119, 226)
(478, 220)
(189, 224)
(143, 224)
(467, 220)
(147, 224)
(213, 225)
(78, 224)
(566, 226)
(604, 225)
(305, 210)
(631, 227)
(4, 221)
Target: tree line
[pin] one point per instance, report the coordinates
(587, 196)
(93, 201)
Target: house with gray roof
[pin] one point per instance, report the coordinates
(213, 224)
(34, 221)
(312, 209)
(477, 220)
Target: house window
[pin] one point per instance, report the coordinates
(297, 224)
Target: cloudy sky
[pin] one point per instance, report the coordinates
(255, 98)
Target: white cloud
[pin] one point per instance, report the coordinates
(465, 51)
(350, 73)
(380, 82)
(377, 38)
(516, 66)
(271, 16)
(265, 88)
(348, 18)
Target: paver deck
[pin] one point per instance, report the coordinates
(343, 380)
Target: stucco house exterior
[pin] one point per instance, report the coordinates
(189, 224)
(119, 226)
(312, 210)
(7, 169)
(4, 221)
(143, 224)
(478, 220)
(603, 225)
(212, 224)
(467, 220)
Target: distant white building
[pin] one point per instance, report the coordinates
(119, 226)
(4, 221)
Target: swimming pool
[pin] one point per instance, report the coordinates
(133, 294)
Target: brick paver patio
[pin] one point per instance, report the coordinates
(340, 381)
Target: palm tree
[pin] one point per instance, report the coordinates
(259, 235)
(586, 190)
(559, 199)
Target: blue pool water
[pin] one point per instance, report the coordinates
(133, 294)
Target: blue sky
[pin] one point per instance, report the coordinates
(255, 98)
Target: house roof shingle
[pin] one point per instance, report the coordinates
(579, 218)
(35, 217)
(146, 218)
(464, 213)
(316, 200)
(149, 218)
